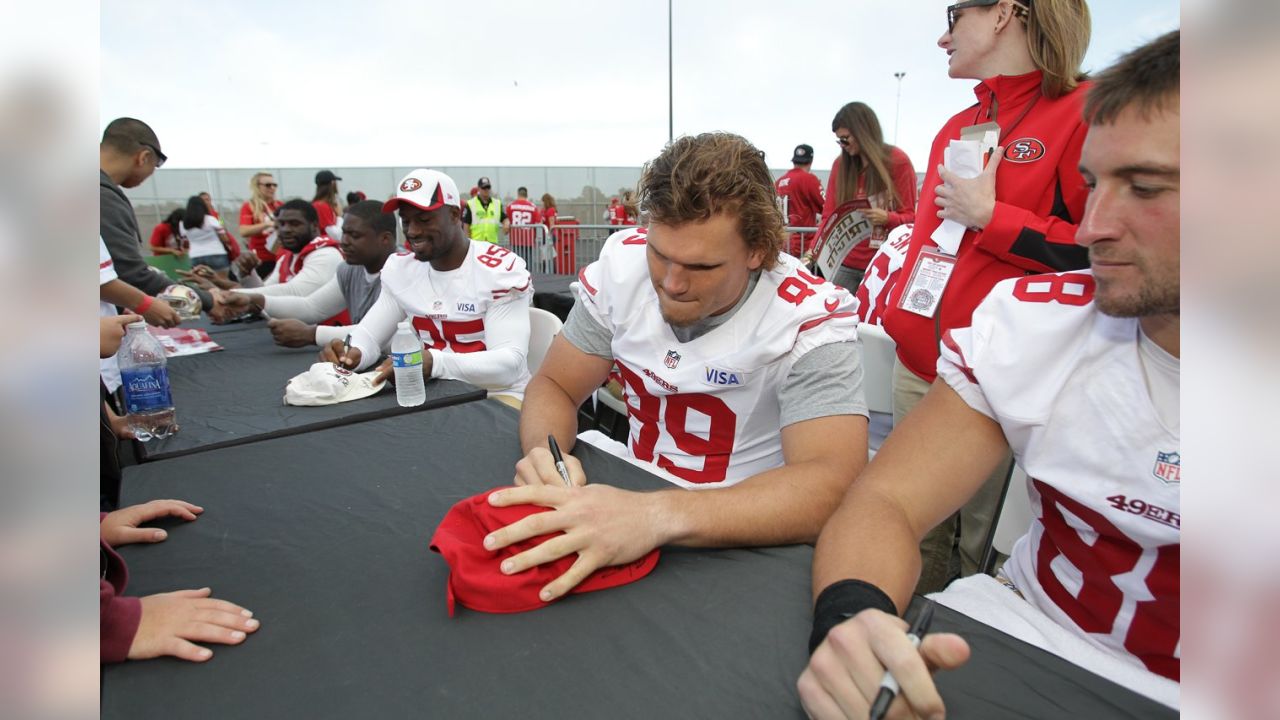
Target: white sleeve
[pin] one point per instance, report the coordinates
(106, 267)
(321, 265)
(320, 305)
(375, 329)
(506, 339)
(326, 334)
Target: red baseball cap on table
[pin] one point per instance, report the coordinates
(475, 579)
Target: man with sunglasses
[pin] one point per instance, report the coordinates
(129, 154)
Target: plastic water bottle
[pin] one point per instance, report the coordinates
(406, 359)
(145, 379)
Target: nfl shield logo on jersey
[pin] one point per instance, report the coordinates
(672, 359)
(1168, 467)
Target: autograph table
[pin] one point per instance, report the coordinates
(236, 395)
(324, 536)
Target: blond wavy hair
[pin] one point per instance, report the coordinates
(697, 177)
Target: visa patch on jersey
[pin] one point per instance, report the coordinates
(724, 378)
(466, 307)
(1168, 467)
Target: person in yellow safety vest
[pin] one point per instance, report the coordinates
(482, 215)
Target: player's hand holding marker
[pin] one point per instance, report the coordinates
(844, 675)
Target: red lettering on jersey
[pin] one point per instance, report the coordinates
(1054, 288)
(447, 336)
(493, 256)
(1153, 632)
(716, 449)
(636, 239)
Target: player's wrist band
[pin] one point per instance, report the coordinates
(144, 305)
(841, 601)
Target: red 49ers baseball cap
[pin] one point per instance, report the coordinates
(475, 579)
(425, 190)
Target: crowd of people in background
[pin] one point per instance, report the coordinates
(966, 244)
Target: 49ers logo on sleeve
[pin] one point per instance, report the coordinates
(1024, 150)
(410, 184)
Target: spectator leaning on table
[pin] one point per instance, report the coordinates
(134, 628)
(128, 155)
(1020, 212)
(368, 239)
(743, 376)
(482, 215)
(1078, 372)
(468, 300)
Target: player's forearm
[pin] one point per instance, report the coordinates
(783, 506)
(547, 410)
(496, 369)
(868, 538)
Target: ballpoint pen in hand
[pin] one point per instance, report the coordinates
(559, 460)
(889, 686)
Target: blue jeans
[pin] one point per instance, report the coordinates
(216, 263)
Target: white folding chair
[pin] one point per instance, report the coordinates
(1013, 521)
(878, 350)
(543, 327)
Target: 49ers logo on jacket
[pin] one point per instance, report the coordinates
(1024, 150)
(410, 184)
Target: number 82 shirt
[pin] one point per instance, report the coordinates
(1069, 387)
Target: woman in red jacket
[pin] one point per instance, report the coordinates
(876, 176)
(1020, 213)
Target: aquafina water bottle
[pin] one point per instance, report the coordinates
(406, 361)
(144, 378)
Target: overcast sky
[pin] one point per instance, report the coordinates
(388, 82)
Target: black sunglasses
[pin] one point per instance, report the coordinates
(160, 157)
(1020, 10)
(951, 10)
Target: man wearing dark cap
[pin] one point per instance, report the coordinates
(482, 215)
(128, 155)
(326, 204)
(803, 192)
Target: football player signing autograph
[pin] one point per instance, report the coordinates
(742, 377)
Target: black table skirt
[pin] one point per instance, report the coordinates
(324, 536)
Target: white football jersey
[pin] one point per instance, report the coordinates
(1103, 472)
(448, 309)
(882, 273)
(707, 411)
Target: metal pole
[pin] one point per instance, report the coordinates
(671, 133)
(898, 107)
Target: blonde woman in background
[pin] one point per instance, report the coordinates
(258, 215)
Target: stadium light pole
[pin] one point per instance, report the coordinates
(897, 107)
(671, 133)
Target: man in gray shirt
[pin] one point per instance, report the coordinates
(742, 374)
(128, 155)
(368, 239)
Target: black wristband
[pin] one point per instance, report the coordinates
(841, 601)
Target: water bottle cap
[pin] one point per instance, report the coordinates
(138, 325)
